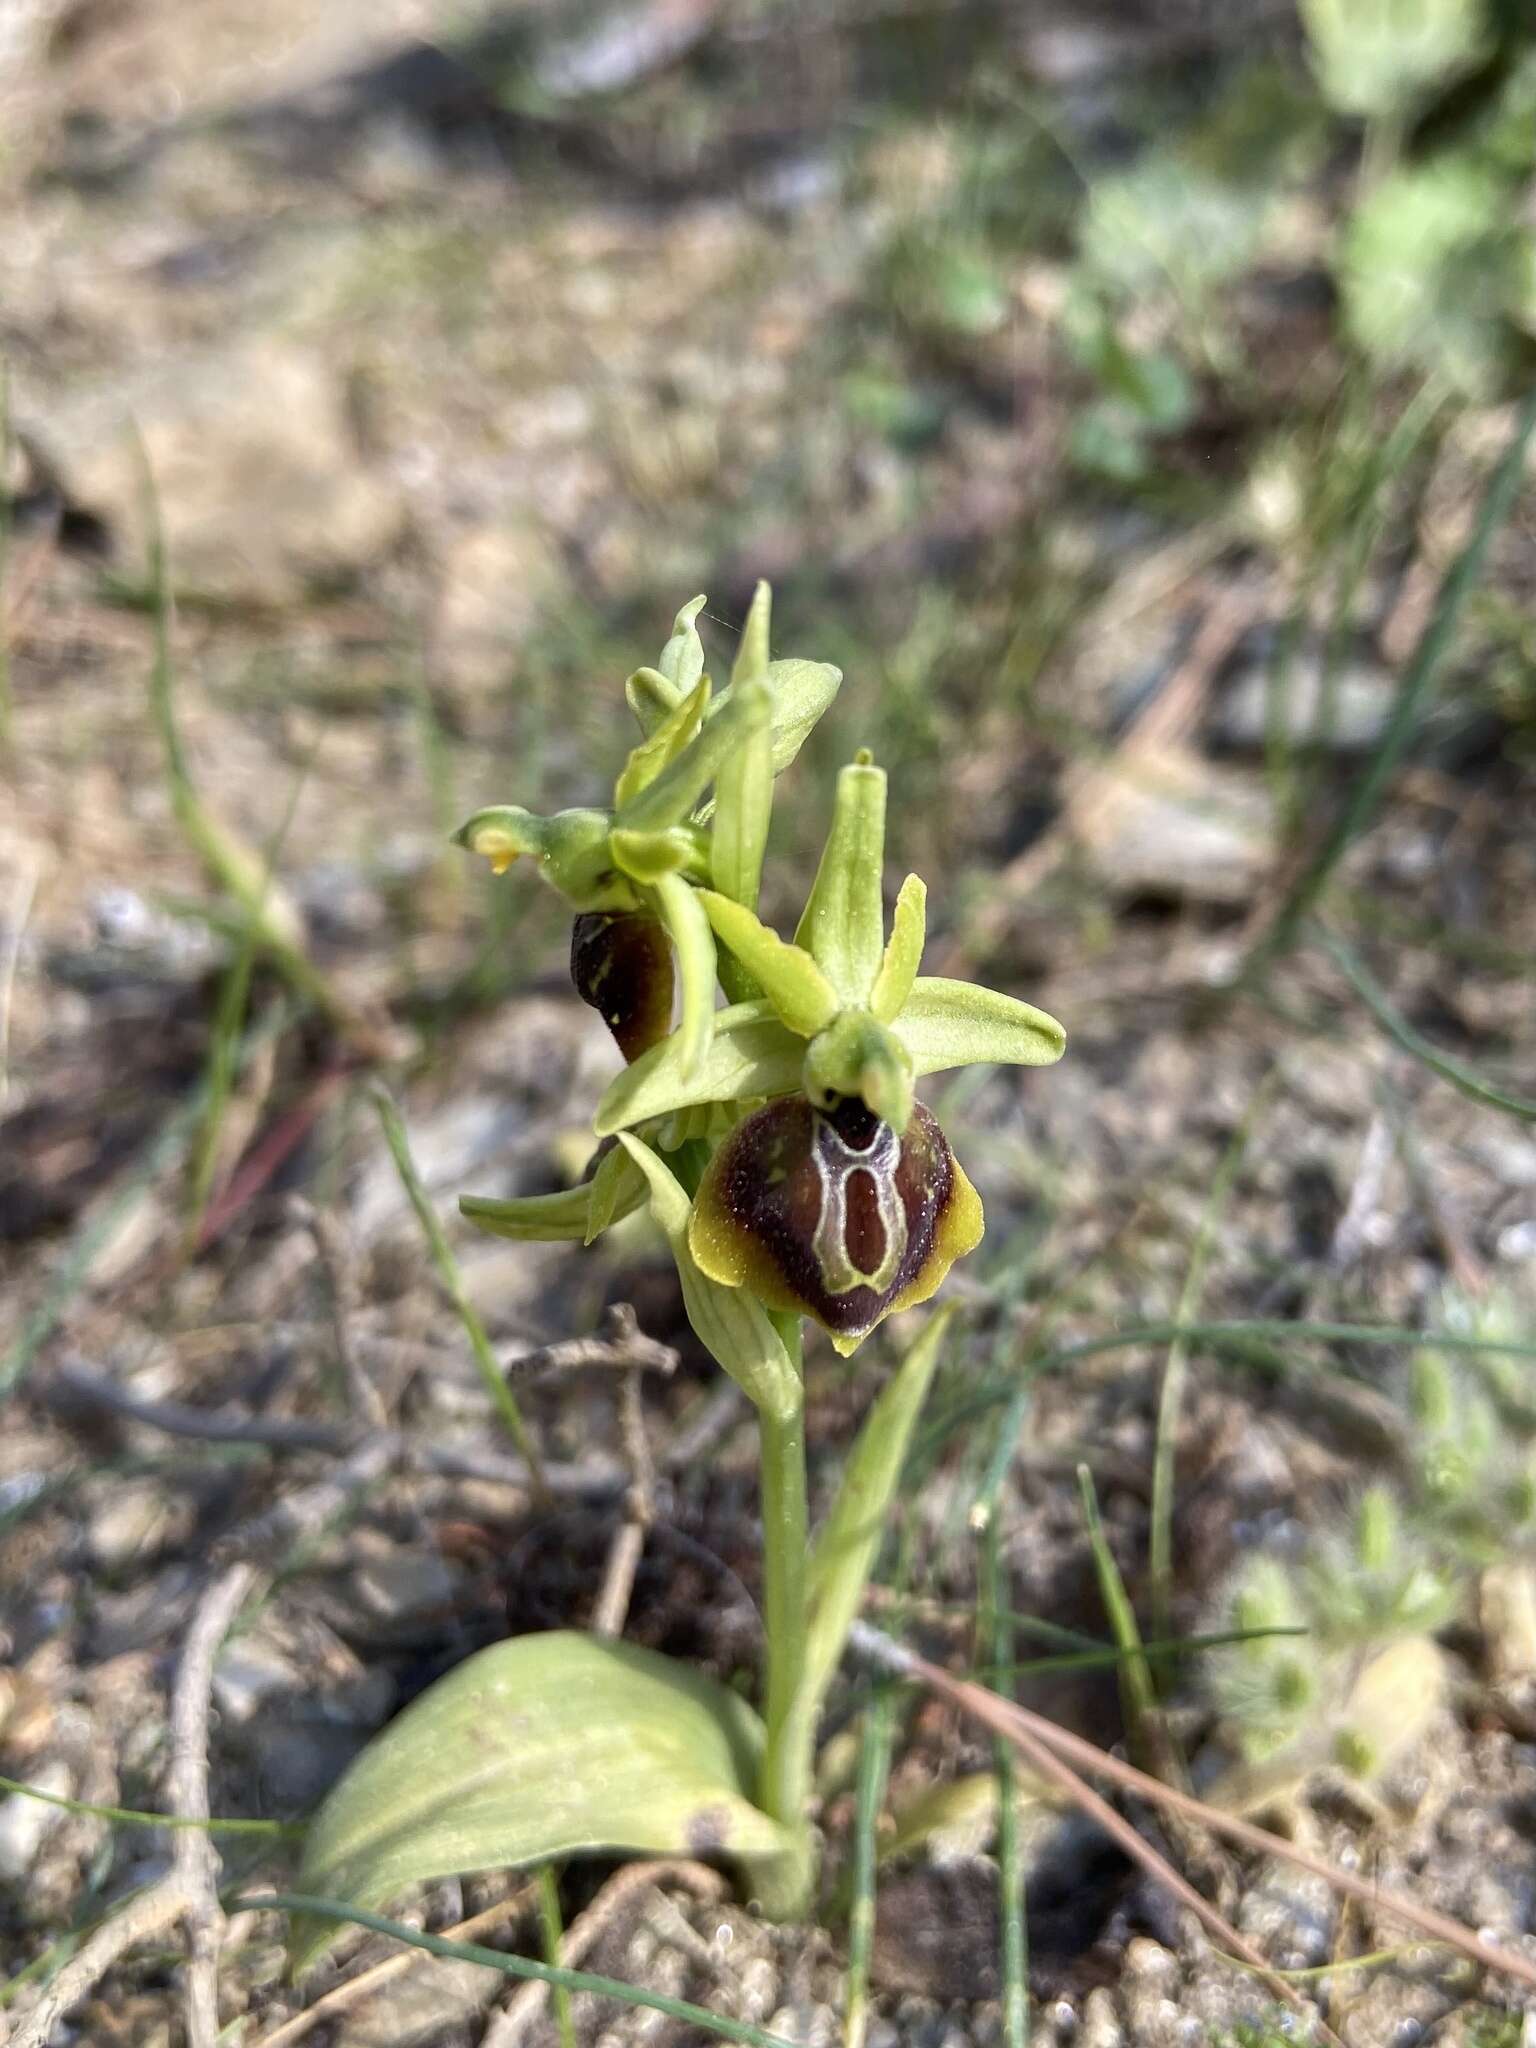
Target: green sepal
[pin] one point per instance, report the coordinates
(843, 926)
(682, 659)
(546, 1745)
(751, 661)
(849, 1540)
(678, 788)
(954, 1024)
(803, 998)
(801, 691)
(750, 1055)
(662, 747)
(743, 810)
(858, 1055)
(731, 1324)
(651, 697)
(904, 951)
(694, 945)
(646, 856)
(613, 1191)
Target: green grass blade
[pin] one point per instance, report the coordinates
(1369, 787)
(499, 1393)
(1462, 1077)
(552, 1928)
(132, 1817)
(996, 1625)
(874, 1767)
(1136, 1688)
(516, 1966)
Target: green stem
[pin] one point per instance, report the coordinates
(790, 1715)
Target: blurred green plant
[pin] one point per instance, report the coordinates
(781, 1151)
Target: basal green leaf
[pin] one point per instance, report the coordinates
(547, 1745)
(750, 1054)
(849, 1541)
(954, 1024)
(904, 953)
(731, 1324)
(800, 993)
(843, 925)
(663, 746)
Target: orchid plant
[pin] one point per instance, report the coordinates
(796, 1178)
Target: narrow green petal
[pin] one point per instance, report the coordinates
(663, 746)
(682, 659)
(579, 1214)
(804, 999)
(743, 808)
(904, 953)
(675, 792)
(750, 1055)
(731, 1324)
(694, 944)
(844, 922)
(954, 1024)
(858, 1055)
(752, 650)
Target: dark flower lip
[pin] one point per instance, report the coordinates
(621, 963)
(830, 1214)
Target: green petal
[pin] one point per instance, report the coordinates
(578, 1214)
(750, 1055)
(904, 953)
(675, 792)
(858, 1055)
(752, 650)
(844, 922)
(694, 945)
(800, 993)
(731, 1324)
(663, 746)
(955, 1024)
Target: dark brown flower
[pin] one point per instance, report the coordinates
(621, 963)
(829, 1213)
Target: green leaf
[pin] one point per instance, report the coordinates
(663, 746)
(800, 993)
(904, 953)
(547, 1745)
(675, 792)
(694, 945)
(731, 1324)
(849, 1541)
(579, 1214)
(743, 810)
(843, 927)
(751, 661)
(955, 1024)
(1377, 58)
(750, 1054)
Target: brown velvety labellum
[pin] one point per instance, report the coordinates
(621, 963)
(829, 1211)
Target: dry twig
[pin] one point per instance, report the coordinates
(188, 1894)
